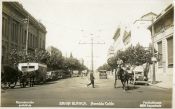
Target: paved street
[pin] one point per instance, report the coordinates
(73, 92)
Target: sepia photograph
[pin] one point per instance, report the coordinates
(87, 53)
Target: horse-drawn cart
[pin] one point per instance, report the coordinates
(32, 73)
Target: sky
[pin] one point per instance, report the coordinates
(70, 22)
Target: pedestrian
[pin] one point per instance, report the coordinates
(92, 80)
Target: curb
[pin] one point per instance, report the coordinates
(155, 85)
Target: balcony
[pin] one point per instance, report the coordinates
(164, 32)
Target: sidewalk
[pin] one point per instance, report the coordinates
(163, 80)
(162, 84)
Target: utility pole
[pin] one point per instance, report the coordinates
(92, 52)
(92, 55)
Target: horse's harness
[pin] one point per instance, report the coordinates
(121, 73)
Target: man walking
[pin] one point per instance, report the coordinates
(92, 80)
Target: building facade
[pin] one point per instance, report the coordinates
(121, 38)
(137, 33)
(162, 30)
(110, 52)
(140, 32)
(14, 30)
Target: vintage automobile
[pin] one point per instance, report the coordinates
(139, 75)
(102, 74)
(50, 75)
(75, 73)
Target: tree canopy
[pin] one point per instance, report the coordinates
(133, 55)
(53, 59)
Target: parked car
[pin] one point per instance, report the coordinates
(75, 73)
(139, 75)
(50, 75)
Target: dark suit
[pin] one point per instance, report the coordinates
(92, 80)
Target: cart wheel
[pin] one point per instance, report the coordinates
(147, 84)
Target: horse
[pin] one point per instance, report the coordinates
(9, 76)
(124, 77)
(31, 76)
(27, 78)
(23, 79)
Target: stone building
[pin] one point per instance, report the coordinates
(14, 30)
(162, 34)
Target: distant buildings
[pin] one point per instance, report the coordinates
(110, 52)
(140, 32)
(151, 28)
(137, 33)
(14, 30)
(121, 37)
(163, 29)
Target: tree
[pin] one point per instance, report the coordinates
(133, 55)
(112, 62)
(39, 56)
(105, 67)
(52, 58)
(55, 61)
(73, 64)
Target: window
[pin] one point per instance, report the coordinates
(25, 33)
(36, 42)
(32, 41)
(170, 51)
(23, 36)
(14, 31)
(28, 39)
(31, 66)
(3, 54)
(19, 33)
(160, 53)
(5, 27)
(43, 44)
